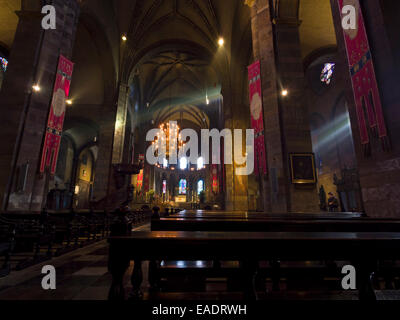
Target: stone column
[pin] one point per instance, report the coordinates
(235, 186)
(120, 125)
(105, 144)
(276, 44)
(33, 59)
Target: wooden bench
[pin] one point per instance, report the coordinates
(38, 237)
(276, 225)
(362, 249)
(197, 221)
(201, 214)
(7, 242)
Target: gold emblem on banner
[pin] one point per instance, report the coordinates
(256, 106)
(59, 101)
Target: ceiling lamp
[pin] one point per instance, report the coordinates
(36, 88)
(171, 131)
(221, 42)
(124, 38)
(284, 93)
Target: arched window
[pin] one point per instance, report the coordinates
(327, 73)
(164, 186)
(182, 186)
(3, 68)
(4, 63)
(200, 186)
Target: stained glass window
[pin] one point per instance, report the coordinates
(182, 186)
(200, 186)
(164, 186)
(327, 73)
(4, 63)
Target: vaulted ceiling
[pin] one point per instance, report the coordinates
(172, 56)
(316, 29)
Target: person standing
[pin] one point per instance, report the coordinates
(333, 203)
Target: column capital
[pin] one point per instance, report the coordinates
(250, 3)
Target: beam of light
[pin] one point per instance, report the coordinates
(334, 132)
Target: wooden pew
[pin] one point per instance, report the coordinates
(56, 233)
(201, 214)
(196, 221)
(31, 236)
(362, 249)
(7, 242)
(276, 225)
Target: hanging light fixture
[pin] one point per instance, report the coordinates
(170, 132)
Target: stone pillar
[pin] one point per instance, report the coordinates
(380, 172)
(120, 124)
(276, 44)
(33, 59)
(105, 144)
(235, 186)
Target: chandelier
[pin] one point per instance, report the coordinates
(170, 138)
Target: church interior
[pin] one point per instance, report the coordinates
(122, 214)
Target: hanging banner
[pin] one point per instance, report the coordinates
(139, 181)
(214, 178)
(55, 121)
(146, 179)
(365, 87)
(257, 118)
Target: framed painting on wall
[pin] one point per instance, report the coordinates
(302, 168)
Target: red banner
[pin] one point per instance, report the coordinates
(139, 182)
(146, 179)
(55, 121)
(365, 87)
(214, 178)
(257, 118)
